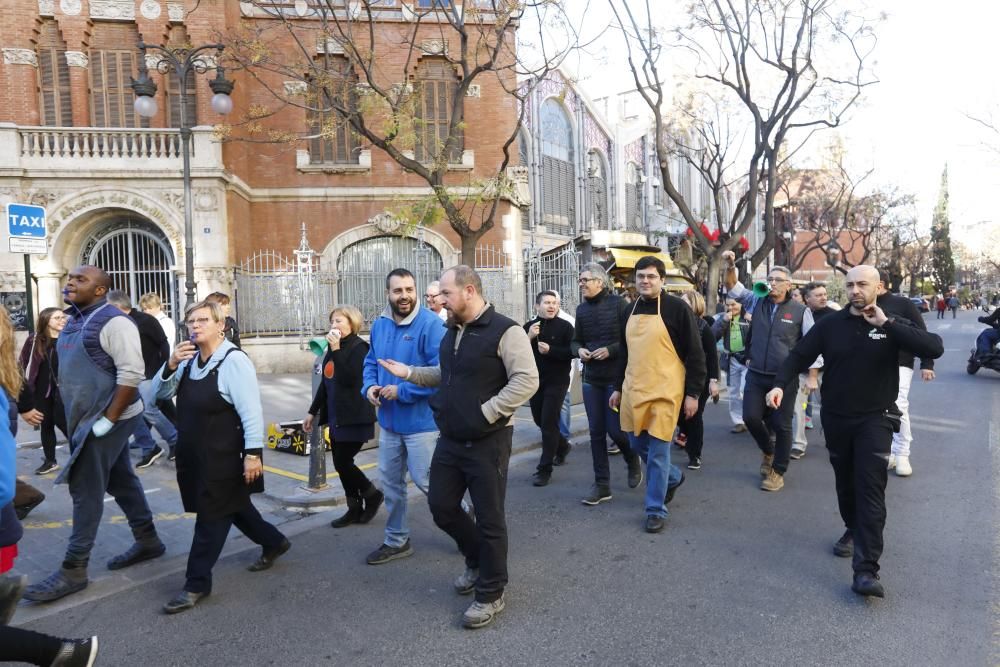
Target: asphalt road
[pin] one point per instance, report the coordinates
(740, 576)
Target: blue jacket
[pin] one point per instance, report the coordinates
(8, 454)
(416, 341)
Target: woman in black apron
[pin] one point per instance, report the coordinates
(219, 444)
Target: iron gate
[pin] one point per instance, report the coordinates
(496, 271)
(138, 257)
(363, 266)
(557, 270)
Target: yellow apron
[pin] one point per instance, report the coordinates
(653, 392)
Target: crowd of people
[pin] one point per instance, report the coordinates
(442, 380)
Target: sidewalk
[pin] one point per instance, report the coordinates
(285, 398)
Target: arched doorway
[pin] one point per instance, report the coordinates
(363, 266)
(137, 256)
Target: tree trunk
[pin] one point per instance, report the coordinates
(470, 239)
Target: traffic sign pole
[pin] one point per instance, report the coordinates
(29, 302)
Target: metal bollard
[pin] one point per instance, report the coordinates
(317, 459)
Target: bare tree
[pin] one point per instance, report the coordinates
(767, 56)
(363, 88)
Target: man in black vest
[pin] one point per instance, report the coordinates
(486, 372)
(775, 328)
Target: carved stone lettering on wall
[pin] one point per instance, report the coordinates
(122, 10)
(150, 9)
(77, 59)
(386, 222)
(46, 7)
(20, 57)
(71, 7)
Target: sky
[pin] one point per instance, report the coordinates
(935, 62)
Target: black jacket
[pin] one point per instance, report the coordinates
(720, 328)
(553, 368)
(775, 328)
(155, 348)
(682, 326)
(708, 347)
(599, 324)
(41, 371)
(348, 376)
(902, 307)
(860, 372)
(992, 320)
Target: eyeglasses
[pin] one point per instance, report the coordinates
(777, 280)
(584, 281)
(201, 321)
(431, 296)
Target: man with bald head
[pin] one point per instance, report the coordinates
(860, 347)
(100, 368)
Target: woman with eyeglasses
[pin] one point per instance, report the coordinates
(39, 402)
(220, 434)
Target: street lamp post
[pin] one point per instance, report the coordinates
(183, 63)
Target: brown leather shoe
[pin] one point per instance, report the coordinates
(773, 482)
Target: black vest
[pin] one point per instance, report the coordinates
(470, 376)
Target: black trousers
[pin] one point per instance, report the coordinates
(479, 466)
(758, 418)
(546, 405)
(694, 428)
(210, 536)
(55, 417)
(859, 453)
(20, 645)
(354, 481)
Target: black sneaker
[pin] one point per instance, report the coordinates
(867, 584)
(172, 454)
(844, 547)
(77, 652)
(46, 467)
(796, 453)
(634, 471)
(541, 479)
(148, 459)
(614, 449)
(695, 463)
(385, 553)
(560, 458)
(672, 489)
(654, 524)
(598, 494)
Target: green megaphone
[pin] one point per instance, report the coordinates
(318, 346)
(760, 289)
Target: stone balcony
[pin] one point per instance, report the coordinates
(107, 152)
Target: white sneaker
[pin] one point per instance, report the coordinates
(480, 614)
(903, 468)
(892, 461)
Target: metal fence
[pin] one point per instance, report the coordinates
(496, 269)
(557, 270)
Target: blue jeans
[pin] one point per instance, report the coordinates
(986, 340)
(564, 416)
(398, 453)
(660, 472)
(156, 419)
(604, 423)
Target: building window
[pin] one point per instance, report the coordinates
(179, 39)
(524, 157)
(332, 92)
(433, 4)
(113, 57)
(633, 198)
(436, 88)
(597, 191)
(558, 173)
(53, 77)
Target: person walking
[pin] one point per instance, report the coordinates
(219, 448)
(694, 427)
(232, 331)
(340, 404)
(663, 375)
(486, 372)
(100, 368)
(600, 319)
(953, 304)
(155, 352)
(733, 329)
(860, 347)
(151, 304)
(817, 305)
(407, 433)
(432, 298)
(550, 338)
(18, 644)
(941, 306)
(902, 440)
(775, 327)
(39, 402)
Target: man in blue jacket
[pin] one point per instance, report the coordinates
(410, 334)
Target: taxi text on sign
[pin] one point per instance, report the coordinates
(26, 225)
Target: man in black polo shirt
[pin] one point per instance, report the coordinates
(486, 372)
(860, 346)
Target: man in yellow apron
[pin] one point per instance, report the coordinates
(664, 373)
